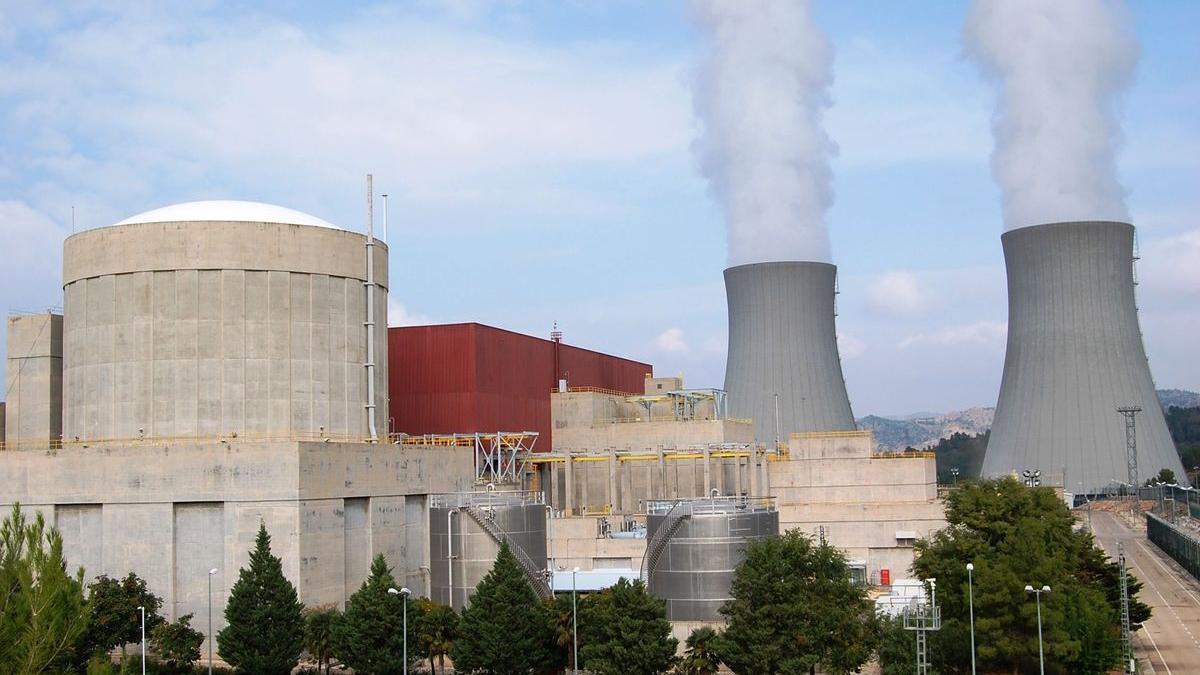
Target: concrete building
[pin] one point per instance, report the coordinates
(219, 318)
(784, 371)
(33, 391)
(1074, 356)
(217, 373)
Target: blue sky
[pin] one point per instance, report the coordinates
(538, 157)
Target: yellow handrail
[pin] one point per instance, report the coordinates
(595, 390)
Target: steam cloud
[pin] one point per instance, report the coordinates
(759, 92)
(1061, 68)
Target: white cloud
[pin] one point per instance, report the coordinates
(672, 341)
(896, 293)
(399, 315)
(1169, 270)
(980, 333)
(850, 347)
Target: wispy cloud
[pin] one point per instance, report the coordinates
(672, 341)
(990, 334)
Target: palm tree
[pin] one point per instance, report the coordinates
(437, 628)
(559, 608)
(318, 625)
(700, 657)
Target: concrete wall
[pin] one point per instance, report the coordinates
(3, 421)
(171, 512)
(644, 435)
(33, 409)
(574, 542)
(199, 329)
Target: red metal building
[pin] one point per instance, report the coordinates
(468, 377)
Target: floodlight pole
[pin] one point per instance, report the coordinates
(971, 606)
(1131, 460)
(1037, 593)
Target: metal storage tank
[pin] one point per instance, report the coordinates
(694, 546)
(1074, 356)
(222, 317)
(465, 532)
(783, 342)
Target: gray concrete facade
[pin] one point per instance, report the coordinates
(33, 391)
(172, 511)
(1074, 356)
(782, 340)
(186, 329)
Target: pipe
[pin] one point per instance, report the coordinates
(370, 322)
(450, 557)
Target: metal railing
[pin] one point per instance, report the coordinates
(595, 390)
(710, 505)
(807, 435)
(492, 498)
(658, 541)
(904, 454)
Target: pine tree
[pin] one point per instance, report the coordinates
(624, 629)
(505, 631)
(265, 624)
(794, 608)
(368, 637)
(42, 608)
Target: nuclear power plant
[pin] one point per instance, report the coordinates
(1075, 356)
(783, 369)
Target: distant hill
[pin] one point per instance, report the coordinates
(1179, 398)
(924, 430)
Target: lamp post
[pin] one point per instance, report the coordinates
(403, 593)
(210, 633)
(574, 625)
(954, 472)
(142, 611)
(971, 608)
(1037, 593)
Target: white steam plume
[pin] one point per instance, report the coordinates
(1060, 67)
(760, 92)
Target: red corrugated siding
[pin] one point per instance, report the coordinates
(470, 377)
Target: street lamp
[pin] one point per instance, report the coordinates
(1037, 592)
(142, 610)
(954, 472)
(971, 607)
(210, 633)
(405, 593)
(574, 624)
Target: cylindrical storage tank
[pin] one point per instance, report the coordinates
(1074, 356)
(462, 551)
(694, 566)
(214, 318)
(783, 342)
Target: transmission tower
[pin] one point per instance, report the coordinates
(1128, 665)
(1130, 414)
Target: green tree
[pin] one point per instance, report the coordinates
(1016, 536)
(42, 608)
(562, 629)
(624, 629)
(264, 632)
(795, 608)
(368, 637)
(318, 633)
(113, 616)
(177, 645)
(700, 656)
(437, 628)
(897, 648)
(1164, 477)
(505, 631)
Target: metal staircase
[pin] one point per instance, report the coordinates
(533, 574)
(658, 543)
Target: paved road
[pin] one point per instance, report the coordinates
(1170, 640)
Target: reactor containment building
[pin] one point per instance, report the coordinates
(1075, 356)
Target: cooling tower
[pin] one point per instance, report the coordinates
(782, 342)
(1074, 356)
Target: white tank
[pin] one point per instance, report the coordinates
(214, 318)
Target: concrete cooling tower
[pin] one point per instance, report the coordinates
(220, 317)
(782, 342)
(1074, 356)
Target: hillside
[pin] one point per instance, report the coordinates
(924, 430)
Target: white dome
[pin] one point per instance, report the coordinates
(227, 210)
